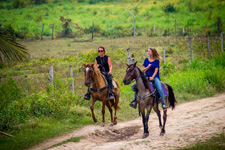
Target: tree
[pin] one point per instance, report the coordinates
(10, 50)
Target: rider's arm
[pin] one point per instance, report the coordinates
(145, 68)
(110, 65)
(156, 71)
(96, 64)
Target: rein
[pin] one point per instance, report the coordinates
(98, 90)
(132, 74)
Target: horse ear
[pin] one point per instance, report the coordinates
(92, 65)
(84, 64)
(127, 65)
(135, 64)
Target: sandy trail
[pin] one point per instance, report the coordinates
(187, 124)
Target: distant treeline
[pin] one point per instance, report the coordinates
(26, 3)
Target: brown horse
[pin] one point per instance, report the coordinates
(99, 91)
(146, 97)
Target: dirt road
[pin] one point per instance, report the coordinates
(188, 123)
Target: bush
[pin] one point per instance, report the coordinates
(169, 8)
(20, 3)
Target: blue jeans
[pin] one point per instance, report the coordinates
(159, 88)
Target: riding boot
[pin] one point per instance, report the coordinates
(87, 96)
(164, 105)
(133, 104)
(110, 95)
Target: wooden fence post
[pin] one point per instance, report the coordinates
(183, 30)
(92, 30)
(26, 85)
(52, 31)
(134, 27)
(221, 40)
(207, 43)
(164, 57)
(175, 28)
(71, 75)
(51, 74)
(190, 48)
(42, 31)
(128, 56)
(154, 29)
(132, 58)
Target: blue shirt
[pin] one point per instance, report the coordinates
(151, 70)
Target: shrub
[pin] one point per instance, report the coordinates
(169, 8)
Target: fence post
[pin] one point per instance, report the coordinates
(42, 31)
(183, 30)
(175, 28)
(134, 27)
(71, 75)
(207, 43)
(52, 31)
(164, 57)
(154, 30)
(92, 30)
(221, 40)
(190, 48)
(132, 58)
(128, 56)
(51, 74)
(26, 85)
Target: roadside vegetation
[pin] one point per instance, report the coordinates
(48, 110)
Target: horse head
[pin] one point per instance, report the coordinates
(131, 73)
(88, 73)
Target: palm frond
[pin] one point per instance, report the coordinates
(10, 50)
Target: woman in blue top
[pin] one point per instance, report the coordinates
(151, 69)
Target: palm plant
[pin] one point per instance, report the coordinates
(10, 50)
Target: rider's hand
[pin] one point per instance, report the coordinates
(110, 72)
(149, 65)
(150, 78)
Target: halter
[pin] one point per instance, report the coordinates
(132, 74)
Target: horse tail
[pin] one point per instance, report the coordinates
(171, 97)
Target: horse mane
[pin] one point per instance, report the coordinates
(145, 81)
(97, 71)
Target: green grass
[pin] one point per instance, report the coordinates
(113, 19)
(215, 143)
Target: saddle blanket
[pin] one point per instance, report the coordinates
(163, 88)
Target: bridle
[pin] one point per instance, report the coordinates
(132, 74)
(92, 76)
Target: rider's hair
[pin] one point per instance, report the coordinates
(155, 53)
(102, 48)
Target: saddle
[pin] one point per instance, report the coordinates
(114, 86)
(153, 87)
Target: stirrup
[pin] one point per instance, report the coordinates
(87, 96)
(133, 104)
(164, 106)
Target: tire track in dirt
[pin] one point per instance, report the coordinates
(187, 124)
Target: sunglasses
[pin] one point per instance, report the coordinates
(101, 51)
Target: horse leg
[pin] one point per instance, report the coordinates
(155, 108)
(115, 108)
(110, 110)
(164, 122)
(146, 133)
(103, 114)
(92, 109)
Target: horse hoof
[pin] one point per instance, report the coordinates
(145, 135)
(110, 124)
(95, 120)
(102, 125)
(115, 123)
(162, 133)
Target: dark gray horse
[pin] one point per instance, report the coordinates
(146, 98)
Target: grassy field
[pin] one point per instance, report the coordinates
(114, 19)
(50, 110)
